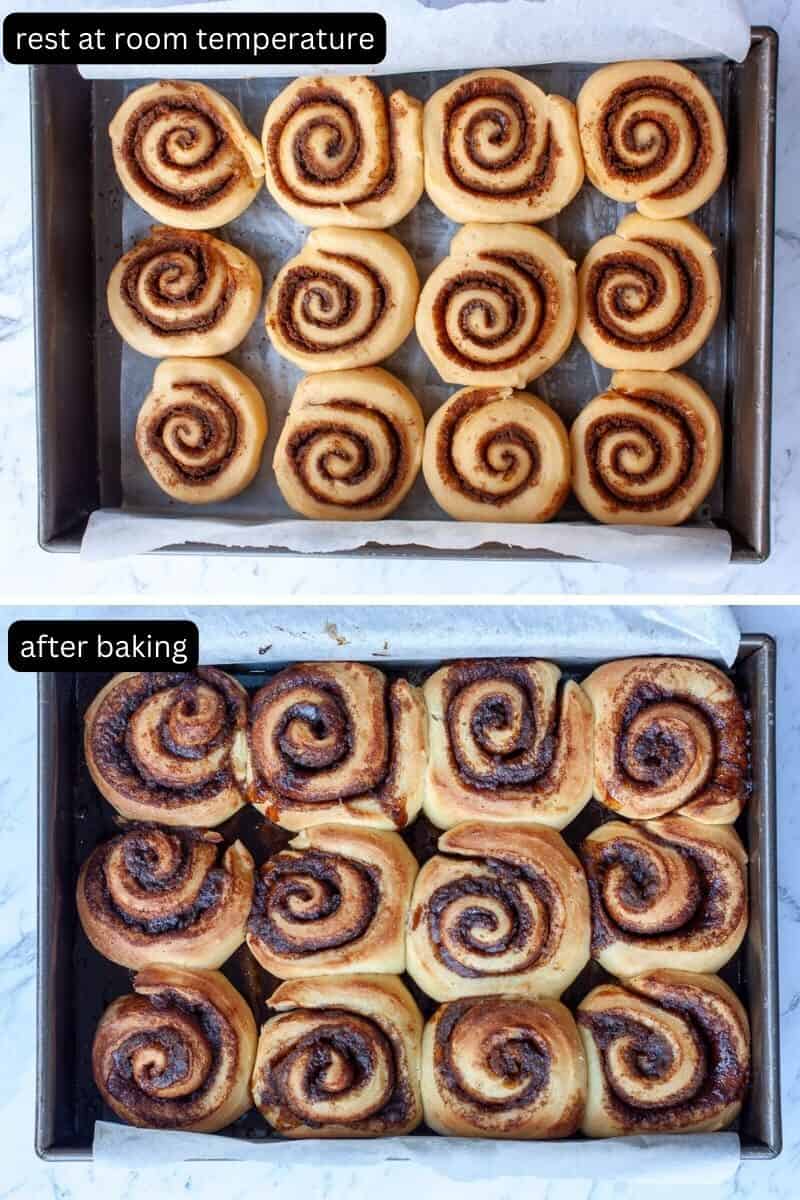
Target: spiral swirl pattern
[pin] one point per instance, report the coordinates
(201, 429)
(341, 1059)
(651, 133)
(351, 446)
(508, 741)
(501, 908)
(159, 895)
(171, 746)
(335, 901)
(492, 454)
(498, 149)
(184, 293)
(647, 451)
(501, 308)
(346, 300)
(670, 736)
(667, 1053)
(338, 742)
(178, 1054)
(503, 1067)
(184, 154)
(337, 152)
(649, 295)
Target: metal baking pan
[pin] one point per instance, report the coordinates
(75, 984)
(77, 213)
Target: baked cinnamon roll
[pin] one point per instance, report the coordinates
(648, 296)
(668, 1052)
(183, 293)
(652, 134)
(501, 908)
(338, 742)
(351, 446)
(346, 300)
(669, 893)
(340, 1059)
(501, 308)
(170, 746)
(493, 454)
(503, 1067)
(179, 1053)
(670, 736)
(335, 901)
(647, 450)
(155, 895)
(184, 154)
(498, 149)
(509, 740)
(201, 429)
(339, 153)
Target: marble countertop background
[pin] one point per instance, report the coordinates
(181, 578)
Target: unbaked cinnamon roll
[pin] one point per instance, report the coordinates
(501, 308)
(648, 296)
(339, 153)
(346, 300)
(351, 446)
(670, 736)
(509, 740)
(498, 149)
(667, 1053)
(155, 895)
(503, 1067)
(647, 450)
(668, 893)
(179, 1053)
(170, 746)
(338, 742)
(340, 1059)
(652, 134)
(183, 152)
(493, 454)
(201, 429)
(501, 908)
(335, 901)
(183, 293)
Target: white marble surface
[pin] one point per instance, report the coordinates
(21, 1174)
(36, 574)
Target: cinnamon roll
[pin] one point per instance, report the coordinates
(648, 296)
(339, 153)
(179, 1053)
(493, 454)
(652, 134)
(501, 908)
(338, 742)
(159, 895)
(503, 1067)
(498, 149)
(670, 736)
(647, 450)
(668, 893)
(170, 746)
(201, 429)
(351, 446)
(667, 1053)
(509, 740)
(184, 154)
(334, 901)
(346, 300)
(184, 293)
(340, 1059)
(501, 308)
